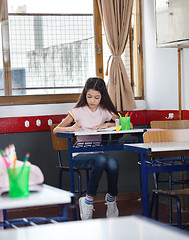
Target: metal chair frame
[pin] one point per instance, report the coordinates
(60, 144)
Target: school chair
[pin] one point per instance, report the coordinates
(177, 194)
(172, 124)
(168, 136)
(60, 144)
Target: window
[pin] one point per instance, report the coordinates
(51, 53)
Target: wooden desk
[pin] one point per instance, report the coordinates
(156, 150)
(131, 228)
(109, 145)
(46, 196)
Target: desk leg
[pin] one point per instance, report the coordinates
(144, 186)
(140, 139)
(72, 177)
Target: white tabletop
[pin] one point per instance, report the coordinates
(162, 146)
(122, 228)
(106, 131)
(46, 196)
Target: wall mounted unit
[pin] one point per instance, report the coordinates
(172, 23)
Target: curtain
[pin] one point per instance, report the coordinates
(1, 9)
(116, 17)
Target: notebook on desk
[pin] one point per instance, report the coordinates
(107, 129)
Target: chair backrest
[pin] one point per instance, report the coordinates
(170, 124)
(177, 135)
(59, 144)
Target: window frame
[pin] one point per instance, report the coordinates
(10, 99)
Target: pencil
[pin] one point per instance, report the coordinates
(119, 114)
(25, 160)
(26, 157)
(131, 114)
(73, 116)
(4, 158)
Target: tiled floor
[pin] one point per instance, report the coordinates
(128, 204)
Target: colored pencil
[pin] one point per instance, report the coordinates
(26, 157)
(4, 159)
(130, 114)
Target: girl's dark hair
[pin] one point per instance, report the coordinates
(99, 85)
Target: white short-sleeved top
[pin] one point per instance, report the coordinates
(89, 119)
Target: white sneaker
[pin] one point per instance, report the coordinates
(86, 210)
(112, 210)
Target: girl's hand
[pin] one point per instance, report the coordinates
(104, 125)
(97, 127)
(76, 127)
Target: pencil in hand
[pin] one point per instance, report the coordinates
(73, 116)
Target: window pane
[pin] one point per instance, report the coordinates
(50, 53)
(54, 52)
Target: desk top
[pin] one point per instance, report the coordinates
(121, 228)
(158, 147)
(95, 132)
(102, 132)
(46, 196)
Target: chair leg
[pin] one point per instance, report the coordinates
(178, 212)
(79, 183)
(60, 171)
(170, 199)
(154, 201)
(60, 179)
(152, 204)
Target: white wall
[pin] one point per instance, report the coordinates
(161, 68)
(44, 109)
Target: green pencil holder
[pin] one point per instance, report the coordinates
(125, 123)
(19, 181)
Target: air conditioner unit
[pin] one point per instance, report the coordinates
(172, 23)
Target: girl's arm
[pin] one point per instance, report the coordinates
(114, 117)
(107, 124)
(64, 125)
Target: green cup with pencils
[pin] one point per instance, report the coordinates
(125, 123)
(19, 181)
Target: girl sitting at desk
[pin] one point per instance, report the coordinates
(94, 110)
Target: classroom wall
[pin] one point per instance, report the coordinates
(161, 93)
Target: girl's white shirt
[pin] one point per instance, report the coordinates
(89, 119)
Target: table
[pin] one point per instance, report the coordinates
(131, 227)
(47, 195)
(108, 145)
(156, 150)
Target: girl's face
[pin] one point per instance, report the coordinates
(93, 99)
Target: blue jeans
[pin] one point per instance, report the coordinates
(99, 162)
